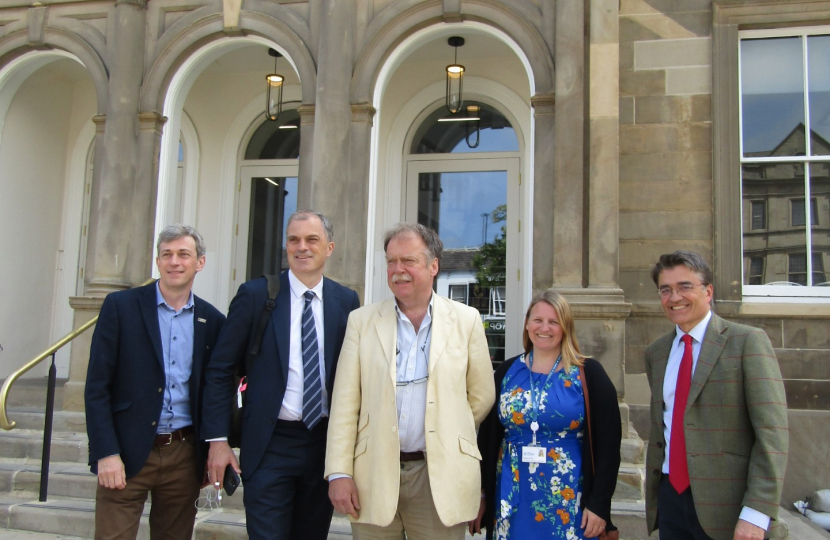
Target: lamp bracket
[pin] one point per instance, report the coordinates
(456, 41)
(276, 54)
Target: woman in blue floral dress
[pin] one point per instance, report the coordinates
(536, 471)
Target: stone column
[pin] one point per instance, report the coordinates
(304, 180)
(334, 191)
(544, 190)
(116, 252)
(569, 166)
(604, 146)
(122, 202)
(356, 220)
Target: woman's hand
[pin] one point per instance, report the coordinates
(475, 525)
(592, 523)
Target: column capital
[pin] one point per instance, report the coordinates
(100, 121)
(151, 121)
(543, 104)
(137, 3)
(363, 113)
(306, 112)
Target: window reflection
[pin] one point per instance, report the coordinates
(785, 206)
(436, 136)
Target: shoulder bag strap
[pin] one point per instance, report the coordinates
(588, 415)
(273, 291)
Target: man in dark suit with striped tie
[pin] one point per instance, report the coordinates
(285, 420)
(718, 445)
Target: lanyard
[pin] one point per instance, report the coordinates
(534, 398)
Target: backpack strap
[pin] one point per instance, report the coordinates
(273, 291)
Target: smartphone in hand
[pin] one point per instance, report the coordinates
(231, 481)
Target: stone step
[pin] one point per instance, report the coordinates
(32, 418)
(632, 449)
(31, 392)
(27, 445)
(630, 483)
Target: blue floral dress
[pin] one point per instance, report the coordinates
(540, 500)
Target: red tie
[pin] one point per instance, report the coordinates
(678, 468)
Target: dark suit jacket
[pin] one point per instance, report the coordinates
(269, 371)
(597, 489)
(735, 422)
(126, 374)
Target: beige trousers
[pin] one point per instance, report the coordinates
(416, 515)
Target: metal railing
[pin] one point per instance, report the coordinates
(7, 424)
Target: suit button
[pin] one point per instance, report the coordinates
(394, 428)
(153, 424)
(659, 445)
(160, 390)
(656, 472)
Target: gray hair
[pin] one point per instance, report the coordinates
(691, 260)
(174, 232)
(435, 247)
(303, 215)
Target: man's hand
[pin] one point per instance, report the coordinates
(111, 473)
(343, 495)
(219, 456)
(592, 523)
(474, 526)
(745, 530)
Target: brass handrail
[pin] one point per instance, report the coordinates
(10, 380)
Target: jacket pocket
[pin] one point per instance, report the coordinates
(362, 422)
(361, 446)
(469, 448)
(122, 406)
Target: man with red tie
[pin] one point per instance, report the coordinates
(718, 445)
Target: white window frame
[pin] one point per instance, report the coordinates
(787, 292)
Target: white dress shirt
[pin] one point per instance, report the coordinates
(412, 364)
(292, 402)
(698, 334)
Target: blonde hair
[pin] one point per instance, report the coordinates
(571, 355)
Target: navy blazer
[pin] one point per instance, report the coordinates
(269, 371)
(126, 376)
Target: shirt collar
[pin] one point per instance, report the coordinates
(400, 313)
(160, 301)
(699, 331)
(298, 288)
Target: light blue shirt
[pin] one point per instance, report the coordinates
(412, 349)
(176, 329)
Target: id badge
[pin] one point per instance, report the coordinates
(533, 454)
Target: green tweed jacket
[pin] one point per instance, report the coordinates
(735, 422)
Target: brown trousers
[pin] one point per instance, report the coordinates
(170, 476)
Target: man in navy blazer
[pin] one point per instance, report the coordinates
(144, 394)
(289, 389)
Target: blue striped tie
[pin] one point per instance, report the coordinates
(312, 387)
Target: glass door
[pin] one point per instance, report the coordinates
(267, 197)
(472, 202)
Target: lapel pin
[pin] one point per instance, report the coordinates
(201, 320)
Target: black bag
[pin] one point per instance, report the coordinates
(235, 436)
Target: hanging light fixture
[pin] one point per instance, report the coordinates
(473, 124)
(455, 78)
(273, 95)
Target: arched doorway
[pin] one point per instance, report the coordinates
(47, 101)
(408, 182)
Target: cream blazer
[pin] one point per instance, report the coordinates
(363, 426)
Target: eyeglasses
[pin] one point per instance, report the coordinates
(683, 288)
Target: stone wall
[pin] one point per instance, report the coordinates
(666, 155)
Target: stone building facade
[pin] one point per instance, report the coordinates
(635, 128)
